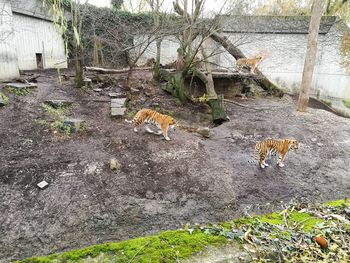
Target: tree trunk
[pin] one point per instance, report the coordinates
(310, 57)
(218, 110)
(157, 64)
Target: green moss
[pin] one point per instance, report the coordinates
(168, 246)
(5, 98)
(337, 203)
(346, 103)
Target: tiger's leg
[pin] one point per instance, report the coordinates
(165, 132)
(280, 160)
(136, 125)
(262, 162)
(148, 129)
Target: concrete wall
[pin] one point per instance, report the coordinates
(8, 56)
(33, 35)
(284, 60)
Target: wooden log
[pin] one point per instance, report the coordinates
(115, 71)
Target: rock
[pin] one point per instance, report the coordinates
(204, 131)
(74, 124)
(118, 103)
(313, 139)
(116, 95)
(42, 184)
(114, 165)
(2, 101)
(97, 90)
(319, 144)
(21, 85)
(117, 111)
(87, 82)
(133, 90)
(58, 103)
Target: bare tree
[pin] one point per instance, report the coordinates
(310, 58)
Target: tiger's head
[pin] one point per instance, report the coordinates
(259, 57)
(172, 123)
(293, 144)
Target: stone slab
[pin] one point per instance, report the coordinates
(117, 103)
(115, 112)
(21, 85)
(42, 184)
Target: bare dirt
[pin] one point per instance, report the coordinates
(161, 184)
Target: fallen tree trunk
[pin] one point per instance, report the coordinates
(114, 71)
(264, 82)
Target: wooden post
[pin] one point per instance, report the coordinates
(310, 58)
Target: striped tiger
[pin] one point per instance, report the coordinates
(161, 121)
(272, 146)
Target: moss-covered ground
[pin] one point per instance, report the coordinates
(287, 235)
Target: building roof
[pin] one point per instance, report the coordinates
(33, 8)
(272, 24)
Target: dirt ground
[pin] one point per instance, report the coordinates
(161, 185)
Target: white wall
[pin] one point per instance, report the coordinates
(8, 56)
(284, 60)
(33, 35)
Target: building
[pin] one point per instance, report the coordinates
(282, 40)
(28, 38)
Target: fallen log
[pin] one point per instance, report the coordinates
(115, 71)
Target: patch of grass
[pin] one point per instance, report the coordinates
(5, 98)
(18, 92)
(346, 103)
(339, 203)
(58, 116)
(168, 246)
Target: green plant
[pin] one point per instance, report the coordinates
(203, 98)
(4, 98)
(18, 92)
(346, 103)
(58, 115)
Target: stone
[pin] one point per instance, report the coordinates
(117, 112)
(97, 90)
(87, 82)
(205, 132)
(74, 124)
(313, 139)
(133, 90)
(114, 164)
(117, 103)
(2, 102)
(114, 94)
(20, 86)
(42, 184)
(58, 103)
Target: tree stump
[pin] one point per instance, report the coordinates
(218, 110)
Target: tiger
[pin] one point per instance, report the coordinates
(161, 121)
(273, 146)
(252, 63)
